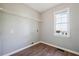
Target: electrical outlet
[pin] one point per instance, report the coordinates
(32, 42)
(60, 49)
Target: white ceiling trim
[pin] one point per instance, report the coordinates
(41, 7)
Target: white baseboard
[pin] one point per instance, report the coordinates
(8, 54)
(74, 52)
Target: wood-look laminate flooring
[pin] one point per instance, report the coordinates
(42, 50)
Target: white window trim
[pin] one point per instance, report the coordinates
(67, 9)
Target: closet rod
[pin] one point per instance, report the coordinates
(25, 17)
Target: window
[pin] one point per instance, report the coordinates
(62, 23)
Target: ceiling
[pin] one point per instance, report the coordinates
(41, 7)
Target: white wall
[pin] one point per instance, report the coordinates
(0, 33)
(17, 32)
(47, 27)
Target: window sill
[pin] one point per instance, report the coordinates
(63, 36)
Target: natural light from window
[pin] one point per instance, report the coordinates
(62, 23)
